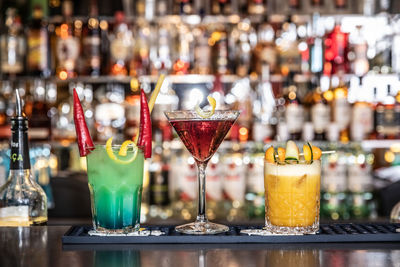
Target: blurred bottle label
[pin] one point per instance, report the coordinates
(334, 177)
(234, 184)
(188, 182)
(214, 183)
(320, 114)
(294, 118)
(342, 112)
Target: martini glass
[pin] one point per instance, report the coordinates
(202, 138)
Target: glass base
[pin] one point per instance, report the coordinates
(202, 228)
(298, 230)
(126, 230)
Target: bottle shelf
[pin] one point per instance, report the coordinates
(195, 78)
(250, 145)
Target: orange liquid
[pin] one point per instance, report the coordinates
(292, 201)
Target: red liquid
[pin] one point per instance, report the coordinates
(202, 137)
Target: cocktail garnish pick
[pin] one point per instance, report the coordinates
(207, 114)
(85, 142)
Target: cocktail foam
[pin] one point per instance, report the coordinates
(294, 170)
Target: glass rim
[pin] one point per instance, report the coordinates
(284, 163)
(193, 115)
(113, 146)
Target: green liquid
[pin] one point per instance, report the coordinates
(115, 189)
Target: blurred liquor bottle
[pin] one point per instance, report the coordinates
(105, 50)
(202, 51)
(320, 114)
(242, 39)
(5, 132)
(336, 51)
(340, 3)
(161, 52)
(221, 7)
(295, 4)
(358, 54)
(255, 201)
(289, 53)
(387, 119)
(109, 113)
(12, 46)
(158, 183)
(265, 121)
(214, 188)
(219, 51)
(294, 113)
(140, 61)
(334, 187)
(257, 7)
(63, 122)
(91, 42)
(362, 117)
(67, 46)
(184, 7)
(340, 107)
(186, 185)
(241, 130)
(317, 3)
(316, 45)
(265, 52)
(161, 127)
(184, 49)
(38, 58)
(39, 120)
(132, 110)
(360, 184)
(121, 45)
(234, 186)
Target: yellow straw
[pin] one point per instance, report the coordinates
(156, 91)
(153, 98)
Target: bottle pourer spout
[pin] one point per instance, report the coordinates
(19, 104)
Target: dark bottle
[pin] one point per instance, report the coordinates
(158, 182)
(92, 42)
(40, 122)
(38, 58)
(12, 46)
(67, 45)
(295, 4)
(387, 125)
(184, 7)
(22, 201)
(317, 2)
(221, 7)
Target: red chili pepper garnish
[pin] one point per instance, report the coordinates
(85, 142)
(145, 137)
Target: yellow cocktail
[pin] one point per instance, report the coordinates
(292, 197)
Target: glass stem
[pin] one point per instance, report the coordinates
(201, 174)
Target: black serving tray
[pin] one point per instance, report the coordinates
(328, 233)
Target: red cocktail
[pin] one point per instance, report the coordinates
(202, 138)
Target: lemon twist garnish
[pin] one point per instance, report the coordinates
(207, 114)
(122, 151)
